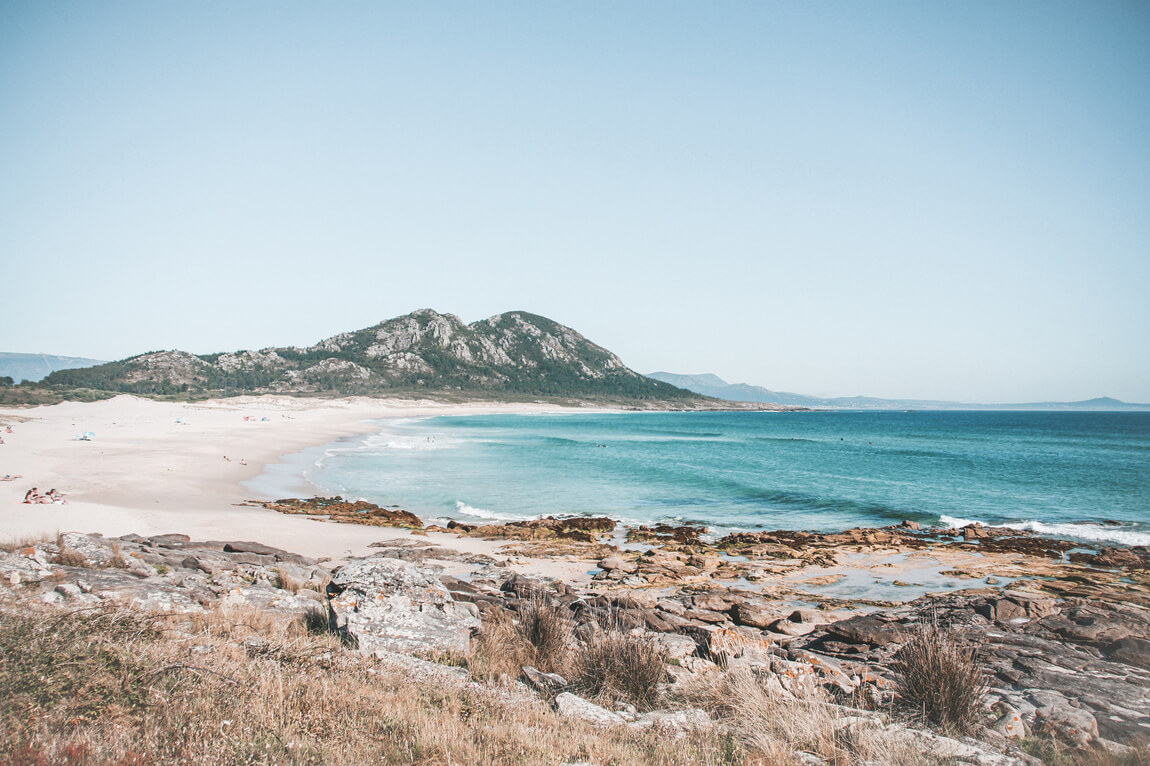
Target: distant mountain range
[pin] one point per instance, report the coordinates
(35, 367)
(714, 386)
(512, 353)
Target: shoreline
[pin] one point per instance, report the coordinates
(159, 467)
(163, 467)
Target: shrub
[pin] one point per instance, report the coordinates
(548, 632)
(316, 622)
(771, 727)
(542, 636)
(622, 665)
(940, 681)
(70, 558)
(117, 561)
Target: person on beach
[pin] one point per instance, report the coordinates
(56, 497)
(32, 495)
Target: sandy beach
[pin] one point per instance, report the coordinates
(157, 467)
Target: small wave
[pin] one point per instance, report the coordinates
(957, 523)
(481, 513)
(387, 441)
(781, 439)
(1091, 532)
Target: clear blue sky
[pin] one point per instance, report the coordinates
(932, 199)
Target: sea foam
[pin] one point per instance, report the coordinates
(481, 513)
(1092, 532)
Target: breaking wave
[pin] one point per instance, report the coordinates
(1120, 534)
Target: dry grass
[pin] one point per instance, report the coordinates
(285, 581)
(614, 666)
(116, 688)
(772, 727)
(70, 558)
(1052, 752)
(14, 544)
(620, 665)
(542, 636)
(498, 652)
(117, 561)
(940, 681)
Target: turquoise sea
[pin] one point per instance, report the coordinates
(1067, 474)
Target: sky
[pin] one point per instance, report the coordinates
(944, 200)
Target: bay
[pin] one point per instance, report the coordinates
(1083, 475)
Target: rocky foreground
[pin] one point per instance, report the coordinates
(1063, 634)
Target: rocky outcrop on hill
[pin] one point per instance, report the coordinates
(514, 352)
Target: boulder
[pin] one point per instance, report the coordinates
(572, 706)
(753, 615)
(1073, 725)
(869, 629)
(389, 604)
(97, 552)
(807, 616)
(544, 682)
(676, 645)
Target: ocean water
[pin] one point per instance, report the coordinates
(1079, 475)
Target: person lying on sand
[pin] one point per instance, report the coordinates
(56, 497)
(9, 477)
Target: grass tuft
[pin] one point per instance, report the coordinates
(285, 581)
(71, 558)
(622, 665)
(117, 561)
(940, 681)
(542, 636)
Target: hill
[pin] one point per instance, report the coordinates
(35, 367)
(711, 385)
(512, 353)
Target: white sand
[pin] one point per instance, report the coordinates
(144, 472)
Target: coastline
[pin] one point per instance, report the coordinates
(175, 533)
(159, 467)
(154, 468)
